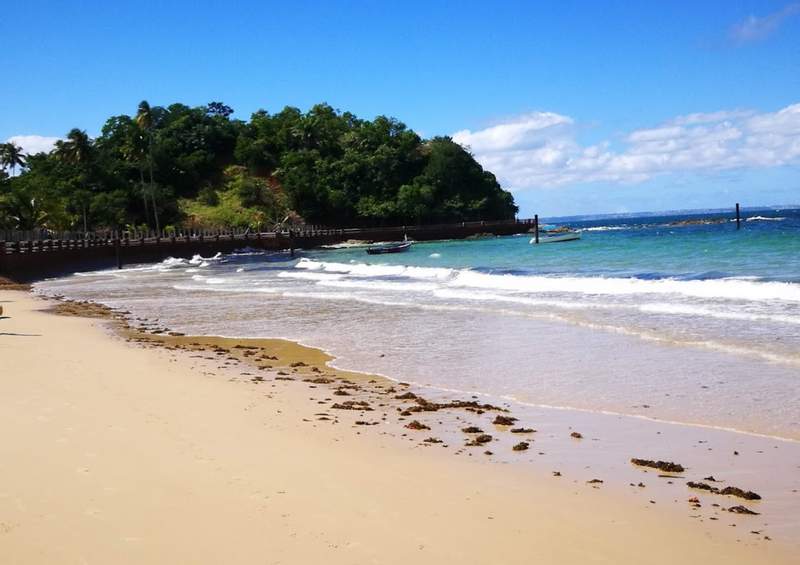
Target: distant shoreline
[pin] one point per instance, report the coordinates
(659, 213)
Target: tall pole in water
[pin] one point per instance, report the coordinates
(536, 227)
(738, 217)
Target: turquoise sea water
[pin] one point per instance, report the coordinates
(678, 317)
(767, 247)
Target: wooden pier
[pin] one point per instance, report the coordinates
(32, 255)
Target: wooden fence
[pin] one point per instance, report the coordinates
(41, 241)
(26, 256)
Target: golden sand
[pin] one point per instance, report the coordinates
(148, 449)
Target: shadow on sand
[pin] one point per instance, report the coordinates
(20, 335)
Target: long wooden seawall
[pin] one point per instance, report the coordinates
(26, 256)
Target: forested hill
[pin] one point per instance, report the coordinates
(176, 165)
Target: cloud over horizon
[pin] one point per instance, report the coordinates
(541, 149)
(32, 144)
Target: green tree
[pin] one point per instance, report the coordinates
(462, 189)
(11, 157)
(415, 203)
(79, 201)
(191, 164)
(218, 109)
(144, 119)
(109, 208)
(76, 150)
(23, 211)
(136, 152)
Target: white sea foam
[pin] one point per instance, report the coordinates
(454, 294)
(675, 309)
(309, 276)
(764, 219)
(380, 285)
(729, 288)
(365, 270)
(162, 267)
(710, 288)
(336, 296)
(346, 245)
(606, 228)
(366, 299)
(689, 310)
(231, 289)
(170, 262)
(203, 261)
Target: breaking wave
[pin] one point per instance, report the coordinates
(725, 288)
(765, 219)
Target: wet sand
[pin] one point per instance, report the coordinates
(122, 445)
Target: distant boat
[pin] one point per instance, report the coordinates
(556, 235)
(398, 247)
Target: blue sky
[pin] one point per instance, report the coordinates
(578, 107)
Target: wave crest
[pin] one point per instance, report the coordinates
(712, 289)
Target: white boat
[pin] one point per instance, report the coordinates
(552, 237)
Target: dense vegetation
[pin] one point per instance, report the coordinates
(176, 165)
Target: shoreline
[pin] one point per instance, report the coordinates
(322, 360)
(332, 359)
(665, 381)
(540, 406)
(511, 466)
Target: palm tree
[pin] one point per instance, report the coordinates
(11, 156)
(26, 213)
(144, 119)
(77, 150)
(135, 150)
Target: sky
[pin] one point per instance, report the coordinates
(577, 107)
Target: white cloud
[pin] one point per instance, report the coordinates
(32, 144)
(755, 28)
(710, 117)
(541, 149)
(523, 130)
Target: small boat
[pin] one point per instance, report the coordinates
(398, 247)
(556, 235)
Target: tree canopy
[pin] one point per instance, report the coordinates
(178, 165)
(11, 156)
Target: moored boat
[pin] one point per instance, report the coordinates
(556, 235)
(398, 247)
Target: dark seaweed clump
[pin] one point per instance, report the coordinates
(666, 466)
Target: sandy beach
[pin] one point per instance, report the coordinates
(381, 283)
(122, 449)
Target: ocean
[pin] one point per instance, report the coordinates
(677, 317)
